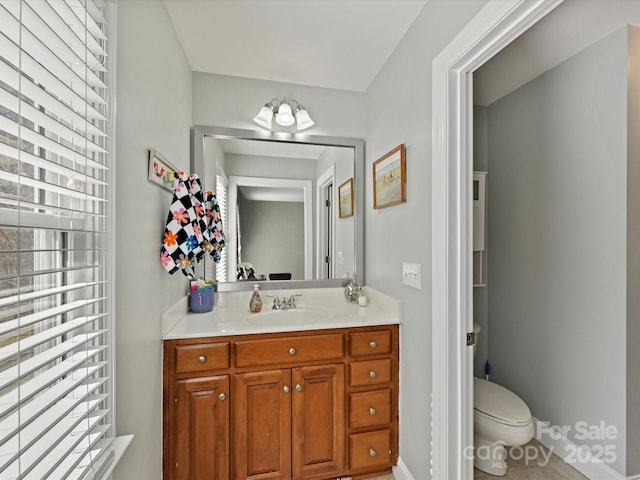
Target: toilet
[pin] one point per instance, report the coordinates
(500, 419)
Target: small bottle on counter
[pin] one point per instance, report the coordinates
(255, 305)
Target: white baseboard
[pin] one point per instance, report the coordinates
(590, 467)
(401, 472)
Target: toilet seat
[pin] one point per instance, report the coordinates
(495, 401)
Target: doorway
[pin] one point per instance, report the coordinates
(496, 25)
(325, 249)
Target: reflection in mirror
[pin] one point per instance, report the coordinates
(278, 197)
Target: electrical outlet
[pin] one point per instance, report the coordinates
(412, 275)
(340, 258)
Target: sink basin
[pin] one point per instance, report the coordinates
(289, 317)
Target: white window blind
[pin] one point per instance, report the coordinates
(222, 185)
(55, 318)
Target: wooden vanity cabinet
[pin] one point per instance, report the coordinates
(296, 406)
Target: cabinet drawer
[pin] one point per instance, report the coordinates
(202, 357)
(249, 353)
(371, 372)
(371, 449)
(370, 343)
(370, 409)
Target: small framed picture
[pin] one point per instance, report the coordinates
(160, 170)
(389, 179)
(345, 199)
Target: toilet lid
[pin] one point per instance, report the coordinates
(500, 403)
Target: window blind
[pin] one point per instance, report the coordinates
(222, 185)
(55, 318)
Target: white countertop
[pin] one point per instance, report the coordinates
(231, 315)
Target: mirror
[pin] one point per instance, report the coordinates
(276, 223)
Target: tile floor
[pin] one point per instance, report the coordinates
(536, 468)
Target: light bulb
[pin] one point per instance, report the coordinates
(284, 116)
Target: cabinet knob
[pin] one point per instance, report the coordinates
(372, 411)
(372, 452)
(202, 359)
(292, 351)
(373, 344)
(372, 374)
(286, 389)
(298, 387)
(222, 396)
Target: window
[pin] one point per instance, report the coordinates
(222, 185)
(55, 271)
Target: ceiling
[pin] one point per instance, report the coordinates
(339, 44)
(343, 44)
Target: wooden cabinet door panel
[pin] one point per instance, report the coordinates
(318, 420)
(202, 429)
(262, 425)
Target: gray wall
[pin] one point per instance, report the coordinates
(232, 102)
(399, 111)
(344, 231)
(557, 241)
(633, 254)
(481, 294)
(273, 236)
(153, 110)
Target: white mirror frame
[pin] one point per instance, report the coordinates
(493, 28)
(232, 226)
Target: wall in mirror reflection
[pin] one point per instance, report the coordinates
(269, 234)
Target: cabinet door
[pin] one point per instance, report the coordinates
(202, 429)
(318, 420)
(262, 425)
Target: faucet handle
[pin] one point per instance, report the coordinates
(276, 301)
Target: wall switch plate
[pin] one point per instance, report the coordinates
(412, 275)
(340, 258)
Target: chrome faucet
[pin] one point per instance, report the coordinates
(286, 303)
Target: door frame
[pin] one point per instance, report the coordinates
(276, 183)
(493, 28)
(327, 178)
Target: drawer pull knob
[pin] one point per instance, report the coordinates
(286, 389)
(222, 396)
(202, 359)
(372, 411)
(373, 344)
(372, 374)
(292, 351)
(298, 387)
(372, 452)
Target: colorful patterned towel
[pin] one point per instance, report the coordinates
(194, 226)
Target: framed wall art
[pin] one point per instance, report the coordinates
(345, 199)
(389, 179)
(160, 170)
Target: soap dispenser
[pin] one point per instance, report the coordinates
(255, 305)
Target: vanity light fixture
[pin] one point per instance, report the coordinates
(285, 112)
